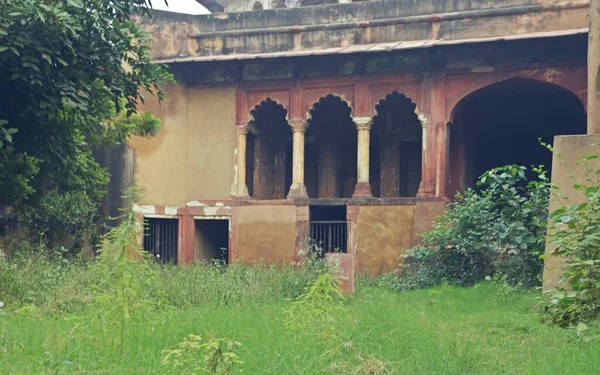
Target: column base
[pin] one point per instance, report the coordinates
(297, 191)
(362, 190)
(240, 192)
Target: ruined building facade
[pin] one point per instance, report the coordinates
(349, 124)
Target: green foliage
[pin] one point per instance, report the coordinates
(72, 73)
(64, 220)
(498, 229)
(466, 331)
(316, 310)
(125, 277)
(199, 355)
(55, 283)
(16, 174)
(575, 233)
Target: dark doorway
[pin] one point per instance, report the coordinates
(269, 152)
(396, 148)
(504, 123)
(329, 228)
(330, 153)
(211, 242)
(161, 239)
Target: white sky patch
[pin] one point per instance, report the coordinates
(180, 6)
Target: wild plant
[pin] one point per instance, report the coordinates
(126, 287)
(202, 355)
(317, 310)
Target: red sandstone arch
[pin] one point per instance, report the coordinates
(330, 149)
(459, 89)
(264, 103)
(502, 124)
(395, 147)
(269, 151)
(322, 100)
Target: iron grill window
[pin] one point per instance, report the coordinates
(330, 236)
(161, 239)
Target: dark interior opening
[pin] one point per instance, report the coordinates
(329, 228)
(330, 152)
(211, 241)
(395, 148)
(161, 239)
(504, 123)
(269, 152)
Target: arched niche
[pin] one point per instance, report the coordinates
(395, 148)
(503, 124)
(330, 152)
(269, 152)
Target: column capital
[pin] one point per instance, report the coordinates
(363, 123)
(298, 125)
(242, 128)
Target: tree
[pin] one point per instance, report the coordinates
(72, 73)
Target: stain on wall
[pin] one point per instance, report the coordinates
(383, 233)
(265, 233)
(568, 151)
(191, 158)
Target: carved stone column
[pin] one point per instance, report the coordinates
(242, 188)
(298, 189)
(363, 187)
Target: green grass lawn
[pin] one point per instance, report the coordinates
(444, 331)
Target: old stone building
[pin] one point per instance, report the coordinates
(351, 124)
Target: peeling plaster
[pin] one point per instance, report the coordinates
(170, 210)
(144, 209)
(195, 204)
(211, 211)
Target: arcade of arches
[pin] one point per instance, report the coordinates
(333, 155)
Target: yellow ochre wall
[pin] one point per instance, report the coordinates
(191, 158)
(382, 233)
(265, 233)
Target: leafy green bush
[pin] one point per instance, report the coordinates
(575, 302)
(316, 311)
(498, 229)
(202, 355)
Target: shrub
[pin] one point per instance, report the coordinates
(576, 235)
(498, 229)
(202, 355)
(315, 311)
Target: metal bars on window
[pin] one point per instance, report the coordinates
(330, 236)
(161, 239)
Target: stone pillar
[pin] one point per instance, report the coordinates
(363, 187)
(593, 62)
(242, 188)
(298, 189)
(390, 166)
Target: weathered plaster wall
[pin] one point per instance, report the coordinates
(177, 36)
(191, 158)
(425, 215)
(264, 233)
(568, 151)
(383, 232)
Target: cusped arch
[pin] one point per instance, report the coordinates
(329, 98)
(398, 101)
(269, 111)
(266, 104)
(491, 82)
